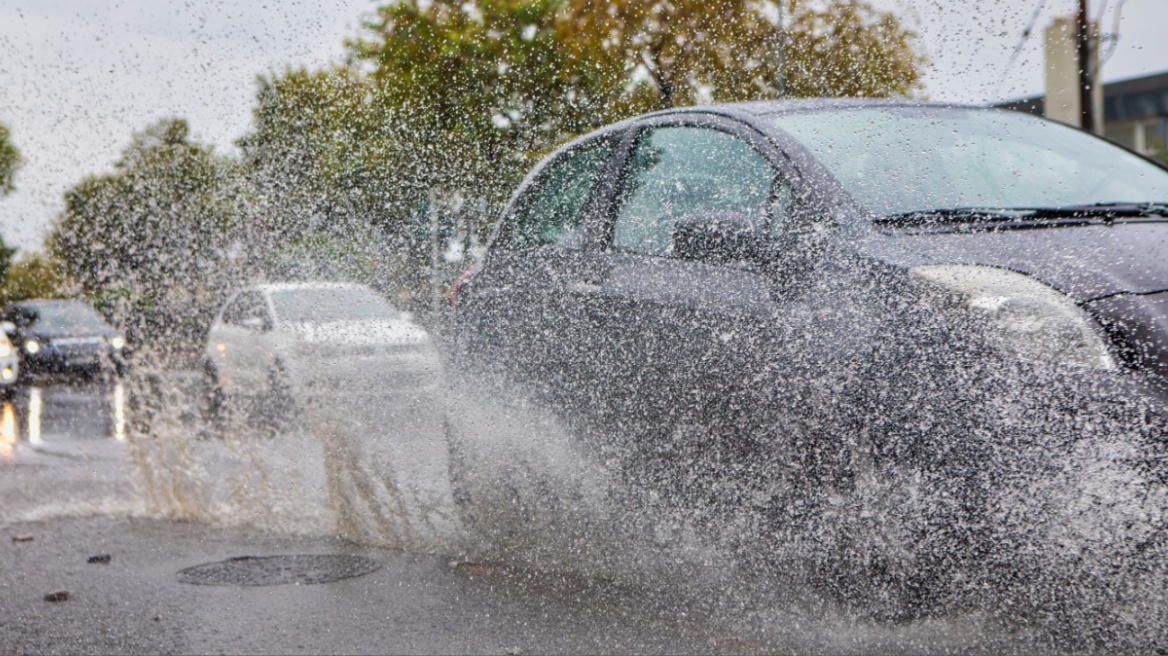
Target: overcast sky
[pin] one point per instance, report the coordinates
(77, 77)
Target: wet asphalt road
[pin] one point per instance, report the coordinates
(72, 489)
(68, 495)
(413, 604)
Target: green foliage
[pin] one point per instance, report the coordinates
(6, 255)
(846, 48)
(322, 257)
(154, 233)
(10, 161)
(459, 99)
(474, 92)
(659, 54)
(36, 276)
(443, 101)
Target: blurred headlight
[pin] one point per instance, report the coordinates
(5, 347)
(32, 347)
(1036, 321)
(117, 342)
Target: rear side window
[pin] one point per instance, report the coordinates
(678, 172)
(248, 305)
(551, 210)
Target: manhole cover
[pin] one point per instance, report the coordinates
(305, 569)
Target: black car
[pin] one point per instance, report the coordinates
(863, 339)
(63, 337)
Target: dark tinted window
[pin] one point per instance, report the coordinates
(331, 304)
(551, 210)
(248, 305)
(61, 315)
(677, 172)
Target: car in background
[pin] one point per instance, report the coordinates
(66, 337)
(852, 330)
(9, 364)
(323, 335)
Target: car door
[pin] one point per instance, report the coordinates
(241, 342)
(677, 337)
(520, 314)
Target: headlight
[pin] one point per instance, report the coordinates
(32, 347)
(117, 342)
(5, 348)
(1036, 321)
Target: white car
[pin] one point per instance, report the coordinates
(321, 337)
(9, 365)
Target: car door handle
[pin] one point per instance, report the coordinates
(581, 287)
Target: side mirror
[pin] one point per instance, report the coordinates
(255, 323)
(8, 327)
(719, 237)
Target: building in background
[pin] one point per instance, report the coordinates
(1061, 47)
(1135, 112)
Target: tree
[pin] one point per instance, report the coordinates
(35, 275)
(453, 101)
(149, 241)
(470, 91)
(846, 48)
(689, 51)
(6, 255)
(10, 161)
(485, 86)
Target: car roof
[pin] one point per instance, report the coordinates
(760, 108)
(40, 303)
(291, 286)
(752, 110)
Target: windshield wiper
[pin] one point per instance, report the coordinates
(1107, 212)
(952, 215)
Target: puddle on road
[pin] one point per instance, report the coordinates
(60, 412)
(359, 457)
(296, 569)
(367, 461)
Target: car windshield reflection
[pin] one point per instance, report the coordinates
(331, 304)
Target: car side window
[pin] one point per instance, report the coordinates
(24, 317)
(248, 305)
(678, 172)
(551, 210)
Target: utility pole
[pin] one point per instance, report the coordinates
(1083, 32)
(435, 299)
(781, 82)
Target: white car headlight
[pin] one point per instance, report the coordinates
(32, 347)
(1036, 321)
(5, 347)
(117, 342)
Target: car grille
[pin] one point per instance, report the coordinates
(78, 345)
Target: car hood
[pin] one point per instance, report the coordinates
(354, 333)
(57, 332)
(1085, 261)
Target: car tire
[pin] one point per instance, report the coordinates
(215, 405)
(279, 406)
(458, 468)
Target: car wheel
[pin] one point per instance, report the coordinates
(214, 398)
(458, 467)
(279, 403)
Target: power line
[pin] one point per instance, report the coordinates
(1021, 43)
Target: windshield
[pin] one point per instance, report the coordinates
(331, 304)
(67, 315)
(900, 160)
